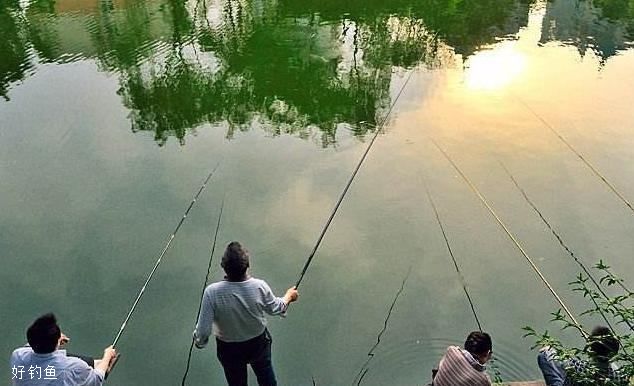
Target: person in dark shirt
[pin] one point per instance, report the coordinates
(603, 346)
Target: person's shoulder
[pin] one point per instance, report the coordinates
(74, 364)
(21, 352)
(255, 282)
(258, 281)
(80, 371)
(213, 287)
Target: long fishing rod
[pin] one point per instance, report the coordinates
(354, 174)
(581, 157)
(513, 239)
(453, 258)
(202, 293)
(160, 258)
(568, 251)
(364, 368)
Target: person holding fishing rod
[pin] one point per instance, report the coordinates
(234, 310)
(601, 348)
(466, 367)
(44, 361)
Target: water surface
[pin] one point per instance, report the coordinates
(113, 112)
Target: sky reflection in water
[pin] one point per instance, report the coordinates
(113, 111)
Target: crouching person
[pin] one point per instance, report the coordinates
(466, 367)
(598, 370)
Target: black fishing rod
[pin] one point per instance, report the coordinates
(364, 368)
(581, 157)
(350, 180)
(453, 258)
(514, 240)
(202, 293)
(568, 251)
(462, 279)
(160, 258)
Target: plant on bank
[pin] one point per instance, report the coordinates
(616, 311)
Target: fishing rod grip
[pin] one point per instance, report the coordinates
(112, 365)
(296, 286)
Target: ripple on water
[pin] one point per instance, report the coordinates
(407, 359)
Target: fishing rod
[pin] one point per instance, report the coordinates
(453, 258)
(160, 258)
(581, 157)
(568, 250)
(513, 239)
(364, 368)
(202, 293)
(350, 180)
(494, 366)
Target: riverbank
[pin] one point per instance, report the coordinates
(527, 383)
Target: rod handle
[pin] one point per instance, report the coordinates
(113, 363)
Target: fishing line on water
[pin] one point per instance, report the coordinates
(453, 258)
(202, 293)
(494, 366)
(160, 257)
(364, 368)
(363, 371)
(513, 239)
(578, 154)
(568, 250)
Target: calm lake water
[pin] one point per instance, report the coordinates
(112, 112)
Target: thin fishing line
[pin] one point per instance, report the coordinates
(453, 258)
(379, 129)
(567, 249)
(581, 157)
(493, 360)
(515, 241)
(364, 368)
(202, 292)
(160, 258)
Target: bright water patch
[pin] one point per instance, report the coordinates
(113, 112)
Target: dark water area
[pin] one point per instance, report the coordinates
(112, 112)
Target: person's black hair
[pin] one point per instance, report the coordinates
(235, 261)
(43, 335)
(602, 343)
(478, 343)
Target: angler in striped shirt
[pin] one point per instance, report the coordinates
(234, 311)
(466, 367)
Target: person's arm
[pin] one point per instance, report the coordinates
(290, 296)
(103, 364)
(63, 339)
(274, 305)
(79, 373)
(205, 321)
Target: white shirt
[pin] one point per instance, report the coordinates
(54, 369)
(234, 311)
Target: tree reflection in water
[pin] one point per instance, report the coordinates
(286, 67)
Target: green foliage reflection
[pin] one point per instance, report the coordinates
(287, 67)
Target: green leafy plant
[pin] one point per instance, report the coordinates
(613, 302)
